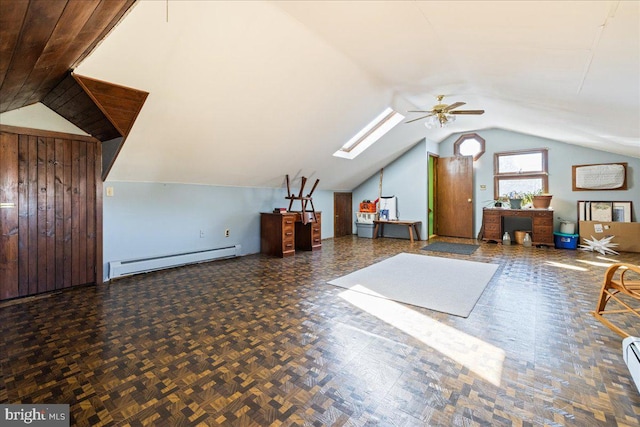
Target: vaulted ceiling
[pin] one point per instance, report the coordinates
(242, 93)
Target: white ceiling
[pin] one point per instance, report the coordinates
(242, 93)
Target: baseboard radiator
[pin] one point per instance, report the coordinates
(143, 265)
(631, 354)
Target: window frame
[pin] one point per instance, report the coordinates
(542, 174)
(465, 137)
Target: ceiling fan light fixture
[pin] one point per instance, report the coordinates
(442, 114)
(439, 120)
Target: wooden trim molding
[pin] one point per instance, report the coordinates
(18, 130)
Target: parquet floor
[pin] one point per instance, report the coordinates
(262, 341)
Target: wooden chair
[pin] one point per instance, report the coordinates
(622, 285)
(303, 200)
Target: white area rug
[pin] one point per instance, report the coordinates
(443, 284)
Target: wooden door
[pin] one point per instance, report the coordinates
(454, 196)
(342, 215)
(52, 225)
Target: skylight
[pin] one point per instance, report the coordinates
(370, 134)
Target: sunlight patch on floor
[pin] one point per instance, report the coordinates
(480, 357)
(594, 263)
(563, 265)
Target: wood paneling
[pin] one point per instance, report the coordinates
(50, 239)
(71, 101)
(8, 216)
(41, 40)
(120, 104)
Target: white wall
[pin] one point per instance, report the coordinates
(38, 116)
(151, 219)
(561, 157)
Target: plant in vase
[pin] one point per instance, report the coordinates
(538, 199)
(542, 201)
(515, 199)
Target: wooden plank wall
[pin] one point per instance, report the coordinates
(51, 238)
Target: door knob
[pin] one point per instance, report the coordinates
(469, 200)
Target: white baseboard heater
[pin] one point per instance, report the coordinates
(143, 265)
(631, 354)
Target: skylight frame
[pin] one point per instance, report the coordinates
(371, 133)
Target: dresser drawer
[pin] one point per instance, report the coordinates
(543, 214)
(538, 221)
(491, 219)
(288, 221)
(495, 228)
(288, 245)
(543, 232)
(288, 234)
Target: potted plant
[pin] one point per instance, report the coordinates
(496, 203)
(515, 199)
(541, 200)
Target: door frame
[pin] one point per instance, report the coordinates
(464, 188)
(432, 184)
(335, 213)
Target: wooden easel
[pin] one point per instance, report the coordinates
(303, 199)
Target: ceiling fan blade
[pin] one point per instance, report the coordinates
(419, 111)
(467, 112)
(454, 105)
(419, 118)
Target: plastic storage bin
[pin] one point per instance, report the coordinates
(365, 230)
(565, 241)
(366, 218)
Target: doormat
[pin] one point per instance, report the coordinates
(452, 248)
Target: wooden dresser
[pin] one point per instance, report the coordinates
(493, 224)
(282, 233)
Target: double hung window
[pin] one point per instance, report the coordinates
(520, 172)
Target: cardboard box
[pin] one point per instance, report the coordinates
(627, 234)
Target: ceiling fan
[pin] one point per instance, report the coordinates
(442, 114)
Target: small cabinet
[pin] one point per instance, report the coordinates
(492, 225)
(542, 227)
(277, 234)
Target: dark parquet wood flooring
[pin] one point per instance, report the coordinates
(262, 341)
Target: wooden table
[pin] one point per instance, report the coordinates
(411, 224)
(281, 234)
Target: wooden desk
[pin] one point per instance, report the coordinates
(541, 224)
(411, 224)
(282, 233)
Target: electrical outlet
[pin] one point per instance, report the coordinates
(227, 232)
(202, 234)
(109, 191)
